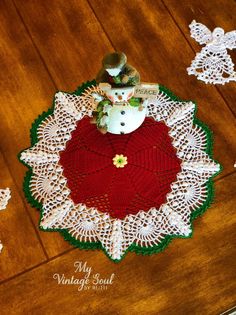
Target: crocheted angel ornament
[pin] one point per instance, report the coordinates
(213, 64)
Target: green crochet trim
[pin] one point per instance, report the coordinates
(97, 245)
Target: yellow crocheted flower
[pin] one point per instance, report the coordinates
(120, 160)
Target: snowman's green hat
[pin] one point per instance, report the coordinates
(114, 60)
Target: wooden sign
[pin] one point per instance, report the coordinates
(146, 90)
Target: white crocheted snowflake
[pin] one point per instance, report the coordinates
(213, 64)
(48, 185)
(5, 195)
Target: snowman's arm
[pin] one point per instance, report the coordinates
(200, 33)
(97, 97)
(230, 40)
(145, 102)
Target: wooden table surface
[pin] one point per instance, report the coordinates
(47, 46)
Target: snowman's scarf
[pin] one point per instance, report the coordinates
(133, 101)
(100, 112)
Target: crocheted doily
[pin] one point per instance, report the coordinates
(119, 192)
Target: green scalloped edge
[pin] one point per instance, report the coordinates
(133, 247)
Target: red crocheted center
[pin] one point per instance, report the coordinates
(143, 183)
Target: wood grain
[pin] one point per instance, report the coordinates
(68, 37)
(76, 33)
(157, 48)
(20, 251)
(213, 14)
(26, 91)
(51, 45)
(193, 276)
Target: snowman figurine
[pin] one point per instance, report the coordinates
(119, 111)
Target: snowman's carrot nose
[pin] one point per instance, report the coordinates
(119, 97)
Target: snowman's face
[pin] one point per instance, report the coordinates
(113, 71)
(120, 94)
